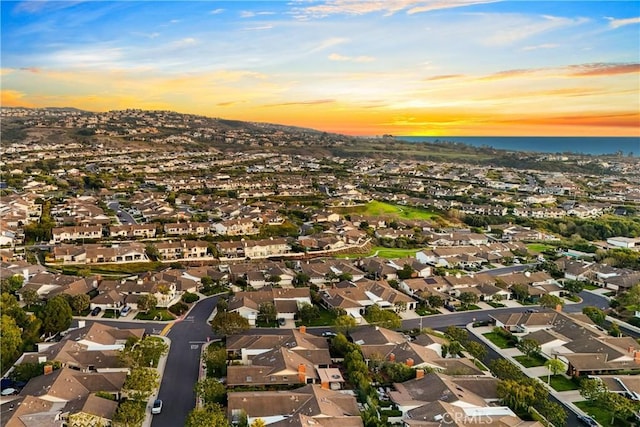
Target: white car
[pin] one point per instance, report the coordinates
(8, 391)
(157, 406)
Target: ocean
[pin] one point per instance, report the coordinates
(594, 145)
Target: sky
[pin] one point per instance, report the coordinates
(358, 67)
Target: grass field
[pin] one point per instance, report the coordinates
(498, 340)
(530, 362)
(382, 252)
(155, 314)
(600, 414)
(376, 208)
(539, 247)
(560, 383)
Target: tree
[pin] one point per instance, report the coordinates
(454, 348)
(592, 389)
(80, 302)
(211, 391)
(12, 283)
(550, 301)
(555, 367)
(152, 252)
(620, 406)
(435, 301)
(129, 414)
(10, 342)
(516, 395)
(457, 334)
(258, 422)
(406, 272)
(343, 324)
(308, 313)
(596, 315)
(614, 330)
(468, 298)
(141, 383)
(144, 353)
(521, 291)
(30, 297)
(301, 280)
(386, 319)
(212, 416)
(229, 323)
(529, 346)
(216, 360)
(506, 370)
(632, 297)
(268, 312)
(56, 315)
(573, 286)
(477, 350)
(147, 302)
(553, 412)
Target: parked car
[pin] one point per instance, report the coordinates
(96, 311)
(588, 421)
(9, 391)
(531, 310)
(157, 406)
(125, 310)
(329, 334)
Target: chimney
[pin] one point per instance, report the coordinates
(409, 362)
(392, 357)
(303, 329)
(302, 373)
(419, 373)
(325, 385)
(559, 308)
(636, 356)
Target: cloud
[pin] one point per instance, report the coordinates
(617, 23)
(388, 7)
(603, 69)
(251, 14)
(338, 57)
(445, 77)
(187, 41)
(147, 35)
(311, 102)
(216, 11)
(513, 28)
(541, 46)
(325, 44)
(260, 28)
(13, 98)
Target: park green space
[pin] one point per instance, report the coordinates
(376, 208)
(539, 247)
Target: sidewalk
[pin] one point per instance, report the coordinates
(161, 365)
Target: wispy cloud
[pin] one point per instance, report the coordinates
(603, 69)
(326, 44)
(388, 7)
(311, 102)
(541, 46)
(445, 77)
(147, 35)
(338, 57)
(251, 14)
(617, 23)
(513, 28)
(259, 28)
(216, 11)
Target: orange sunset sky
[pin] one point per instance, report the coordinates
(401, 67)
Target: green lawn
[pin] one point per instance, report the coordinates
(530, 361)
(495, 304)
(561, 383)
(590, 287)
(539, 247)
(498, 340)
(377, 208)
(467, 308)
(382, 252)
(157, 314)
(426, 311)
(326, 318)
(125, 268)
(600, 414)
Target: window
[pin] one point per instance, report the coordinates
(249, 379)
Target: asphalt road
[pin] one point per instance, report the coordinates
(183, 365)
(123, 216)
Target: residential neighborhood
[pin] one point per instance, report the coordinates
(260, 275)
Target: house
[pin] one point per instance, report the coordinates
(186, 228)
(47, 285)
(182, 250)
(286, 301)
(75, 233)
(310, 405)
(132, 231)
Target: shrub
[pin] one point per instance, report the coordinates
(178, 308)
(188, 297)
